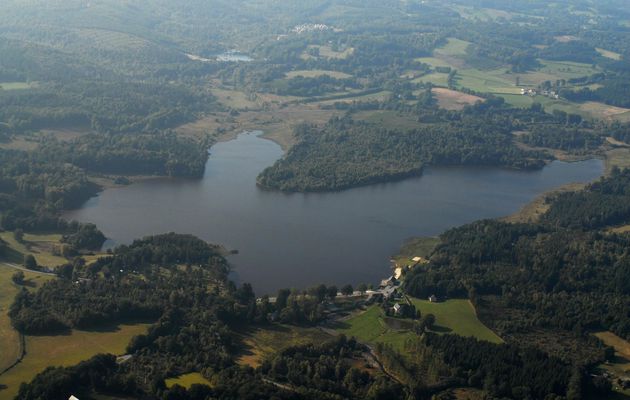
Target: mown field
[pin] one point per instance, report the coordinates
(456, 316)
(452, 316)
(65, 350)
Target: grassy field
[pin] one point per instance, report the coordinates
(454, 100)
(187, 380)
(366, 97)
(619, 157)
(434, 62)
(261, 342)
(64, 350)
(452, 316)
(490, 81)
(532, 211)
(9, 338)
(17, 85)
(328, 52)
(435, 78)
(235, 99)
(453, 47)
(313, 73)
(620, 367)
(457, 316)
(40, 246)
(370, 327)
(609, 54)
(422, 247)
(113, 40)
(482, 14)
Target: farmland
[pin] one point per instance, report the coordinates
(456, 316)
(64, 350)
(9, 338)
(454, 100)
(452, 316)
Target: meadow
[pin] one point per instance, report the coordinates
(66, 350)
(9, 338)
(187, 380)
(264, 341)
(17, 85)
(452, 316)
(620, 366)
(39, 245)
(456, 316)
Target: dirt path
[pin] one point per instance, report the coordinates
(14, 266)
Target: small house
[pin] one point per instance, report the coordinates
(433, 298)
(396, 309)
(72, 398)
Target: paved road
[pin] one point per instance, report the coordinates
(15, 266)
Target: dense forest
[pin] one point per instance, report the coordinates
(560, 273)
(347, 152)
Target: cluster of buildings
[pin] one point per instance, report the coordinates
(310, 28)
(552, 94)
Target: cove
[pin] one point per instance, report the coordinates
(299, 240)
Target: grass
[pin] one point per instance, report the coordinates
(9, 338)
(328, 52)
(588, 109)
(421, 246)
(434, 62)
(314, 73)
(17, 85)
(458, 316)
(39, 245)
(435, 78)
(454, 100)
(490, 81)
(532, 211)
(453, 47)
(187, 380)
(608, 54)
(235, 99)
(66, 350)
(620, 366)
(261, 342)
(453, 316)
(617, 158)
(369, 327)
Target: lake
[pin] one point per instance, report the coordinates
(299, 240)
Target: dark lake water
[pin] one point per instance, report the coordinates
(298, 240)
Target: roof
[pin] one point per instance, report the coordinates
(416, 259)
